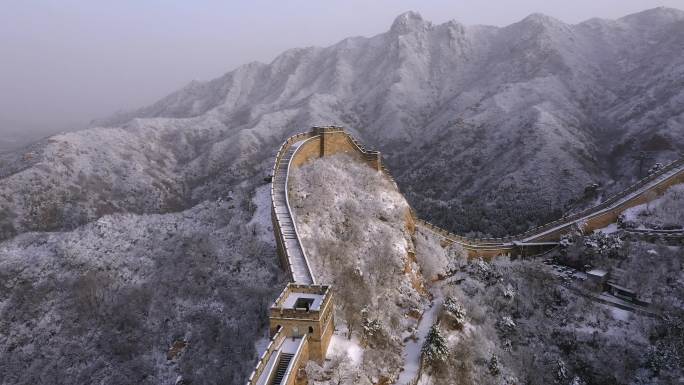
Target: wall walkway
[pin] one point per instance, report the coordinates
(325, 141)
(289, 246)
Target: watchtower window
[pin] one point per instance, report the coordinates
(304, 303)
(310, 329)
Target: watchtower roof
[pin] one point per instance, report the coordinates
(597, 273)
(302, 297)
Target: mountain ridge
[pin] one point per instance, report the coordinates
(536, 18)
(458, 112)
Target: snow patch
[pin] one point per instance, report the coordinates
(340, 345)
(610, 229)
(620, 314)
(262, 215)
(412, 350)
(260, 345)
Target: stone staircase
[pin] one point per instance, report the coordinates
(298, 264)
(281, 368)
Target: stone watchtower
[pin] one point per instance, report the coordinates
(305, 310)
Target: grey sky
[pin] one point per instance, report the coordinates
(65, 62)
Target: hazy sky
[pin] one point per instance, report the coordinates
(69, 61)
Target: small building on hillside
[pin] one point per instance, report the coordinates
(622, 292)
(596, 279)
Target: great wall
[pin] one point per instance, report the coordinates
(301, 319)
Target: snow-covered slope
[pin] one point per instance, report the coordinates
(106, 302)
(154, 165)
(358, 232)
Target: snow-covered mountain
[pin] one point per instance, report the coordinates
(528, 113)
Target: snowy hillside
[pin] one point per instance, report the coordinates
(357, 230)
(146, 166)
(108, 302)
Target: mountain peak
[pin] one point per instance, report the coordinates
(409, 22)
(659, 15)
(541, 19)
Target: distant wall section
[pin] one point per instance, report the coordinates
(326, 141)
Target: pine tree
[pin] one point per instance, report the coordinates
(455, 312)
(494, 368)
(435, 347)
(370, 327)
